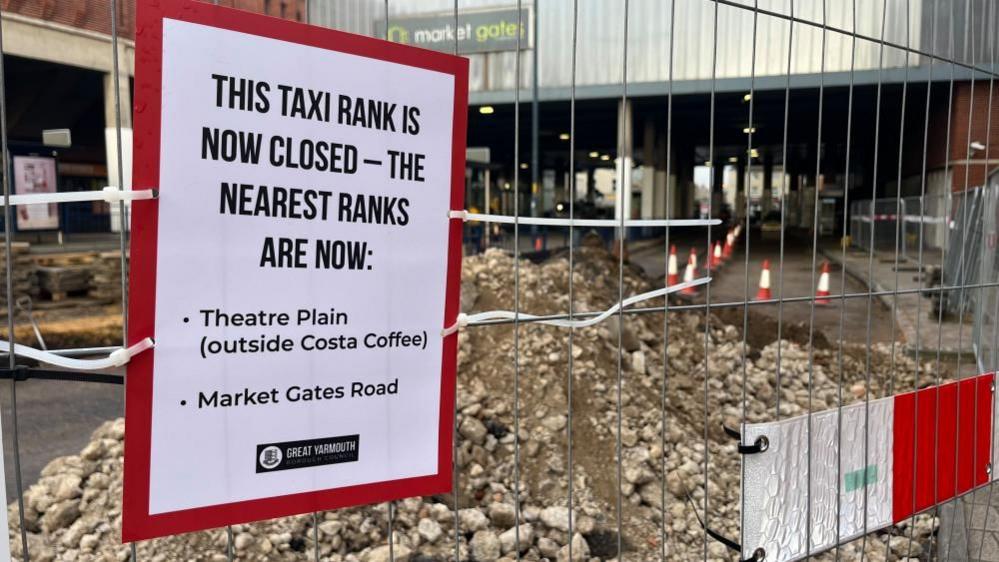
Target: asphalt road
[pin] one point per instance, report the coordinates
(55, 418)
(794, 279)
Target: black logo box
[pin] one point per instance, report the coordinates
(312, 452)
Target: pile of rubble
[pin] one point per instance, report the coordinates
(73, 512)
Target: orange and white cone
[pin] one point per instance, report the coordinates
(729, 243)
(737, 231)
(716, 257)
(763, 293)
(689, 274)
(822, 291)
(672, 271)
(692, 260)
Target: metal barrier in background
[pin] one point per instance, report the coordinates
(986, 307)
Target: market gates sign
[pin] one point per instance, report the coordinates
(479, 31)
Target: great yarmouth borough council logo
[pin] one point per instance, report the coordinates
(307, 453)
(270, 457)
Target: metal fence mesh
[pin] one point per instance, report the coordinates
(650, 473)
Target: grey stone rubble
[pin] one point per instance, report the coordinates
(74, 511)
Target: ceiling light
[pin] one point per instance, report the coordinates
(733, 158)
(747, 97)
(523, 166)
(486, 110)
(605, 157)
(563, 136)
(594, 154)
(748, 130)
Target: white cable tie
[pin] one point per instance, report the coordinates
(110, 194)
(485, 317)
(117, 358)
(459, 323)
(603, 223)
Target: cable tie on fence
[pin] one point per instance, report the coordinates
(459, 323)
(761, 444)
(116, 358)
(731, 544)
(457, 215)
(485, 317)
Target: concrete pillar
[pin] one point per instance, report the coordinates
(111, 137)
(622, 199)
(768, 187)
(683, 167)
(663, 187)
(648, 209)
(717, 181)
(591, 189)
(741, 190)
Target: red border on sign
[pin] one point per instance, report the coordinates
(137, 523)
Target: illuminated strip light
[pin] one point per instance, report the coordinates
(607, 223)
(954, 420)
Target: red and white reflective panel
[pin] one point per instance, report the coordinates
(897, 456)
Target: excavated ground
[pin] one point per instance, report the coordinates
(656, 412)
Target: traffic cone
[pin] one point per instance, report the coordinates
(728, 248)
(688, 275)
(692, 260)
(822, 291)
(716, 258)
(737, 231)
(763, 294)
(672, 272)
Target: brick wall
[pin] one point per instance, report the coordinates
(95, 15)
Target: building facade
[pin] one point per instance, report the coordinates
(60, 74)
(876, 53)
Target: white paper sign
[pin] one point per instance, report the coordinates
(301, 276)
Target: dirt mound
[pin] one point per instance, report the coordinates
(654, 403)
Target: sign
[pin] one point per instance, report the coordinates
(923, 448)
(478, 31)
(36, 174)
(295, 271)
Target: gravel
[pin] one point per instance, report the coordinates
(74, 511)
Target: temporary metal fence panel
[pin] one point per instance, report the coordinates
(963, 265)
(877, 225)
(666, 461)
(926, 221)
(986, 315)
